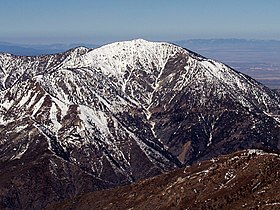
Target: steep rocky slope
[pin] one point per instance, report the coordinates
(120, 113)
(243, 180)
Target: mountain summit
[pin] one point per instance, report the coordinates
(90, 119)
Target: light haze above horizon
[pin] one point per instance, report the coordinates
(104, 21)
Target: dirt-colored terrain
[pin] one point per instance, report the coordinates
(244, 180)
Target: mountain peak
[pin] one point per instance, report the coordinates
(137, 44)
(114, 58)
(122, 112)
(138, 41)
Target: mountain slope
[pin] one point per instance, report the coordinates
(123, 112)
(247, 179)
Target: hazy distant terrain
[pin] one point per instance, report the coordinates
(256, 58)
(40, 49)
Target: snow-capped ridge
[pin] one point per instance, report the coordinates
(138, 76)
(119, 55)
(127, 111)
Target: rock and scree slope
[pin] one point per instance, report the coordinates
(243, 180)
(86, 119)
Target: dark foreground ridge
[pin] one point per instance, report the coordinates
(243, 180)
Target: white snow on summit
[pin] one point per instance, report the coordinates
(115, 58)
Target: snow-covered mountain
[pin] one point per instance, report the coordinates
(122, 112)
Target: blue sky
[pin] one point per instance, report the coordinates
(103, 21)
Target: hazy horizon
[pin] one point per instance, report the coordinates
(120, 40)
(100, 22)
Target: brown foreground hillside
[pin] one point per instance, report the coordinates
(243, 180)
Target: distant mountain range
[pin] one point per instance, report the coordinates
(37, 49)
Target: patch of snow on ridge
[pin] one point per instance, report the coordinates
(259, 152)
(53, 116)
(90, 117)
(255, 151)
(275, 117)
(24, 99)
(38, 105)
(221, 72)
(7, 104)
(20, 128)
(62, 106)
(23, 149)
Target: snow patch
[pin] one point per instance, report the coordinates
(53, 117)
(89, 116)
(38, 105)
(18, 129)
(24, 99)
(23, 149)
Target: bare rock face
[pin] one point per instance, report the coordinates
(120, 113)
(242, 180)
